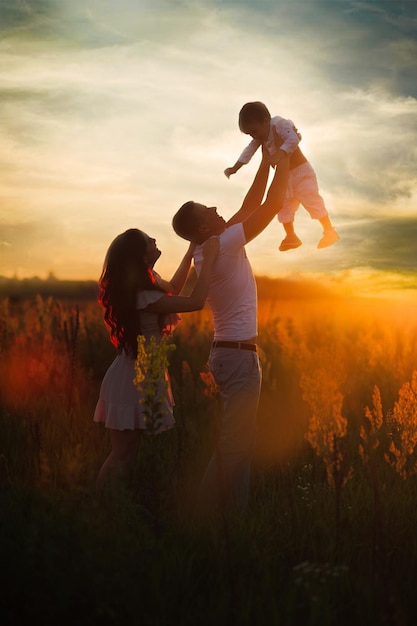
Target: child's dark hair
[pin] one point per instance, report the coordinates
(252, 112)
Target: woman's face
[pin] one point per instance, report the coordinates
(152, 253)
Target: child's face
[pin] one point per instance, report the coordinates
(258, 130)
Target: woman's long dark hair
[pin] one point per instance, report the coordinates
(124, 274)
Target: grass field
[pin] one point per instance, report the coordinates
(330, 536)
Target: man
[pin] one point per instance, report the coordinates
(233, 360)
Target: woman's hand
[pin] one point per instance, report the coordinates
(211, 249)
(190, 249)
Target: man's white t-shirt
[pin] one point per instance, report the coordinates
(232, 295)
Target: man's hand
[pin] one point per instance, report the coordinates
(275, 158)
(263, 214)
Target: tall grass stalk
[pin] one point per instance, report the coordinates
(71, 329)
(68, 559)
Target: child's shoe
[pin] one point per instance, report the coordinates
(290, 242)
(329, 238)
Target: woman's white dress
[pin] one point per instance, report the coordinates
(119, 406)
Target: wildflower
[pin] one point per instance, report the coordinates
(151, 377)
(404, 421)
(211, 388)
(327, 426)
(312, 580)
(369, 433)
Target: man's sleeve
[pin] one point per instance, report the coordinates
(233, 238)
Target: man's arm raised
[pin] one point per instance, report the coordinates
(255, 194)
(259, 219)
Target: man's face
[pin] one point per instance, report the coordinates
(258, 130)
(210, 222)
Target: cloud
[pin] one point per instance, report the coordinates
(377, 45)
(381, 244)
(18, 251)
(113, 114)
(391, 245)
(356, 44)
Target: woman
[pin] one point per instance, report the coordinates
(137, 301)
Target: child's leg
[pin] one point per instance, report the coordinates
(289, 228)
(306, 189)
(330, 236)
(291, 240)
(286, 218)
(326, 223)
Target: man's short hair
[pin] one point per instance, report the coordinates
(185, 222)
(252, 112)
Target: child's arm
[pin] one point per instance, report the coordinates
(244, 158)
(232, 170)
(289, 138)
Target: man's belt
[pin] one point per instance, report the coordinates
(239, 345)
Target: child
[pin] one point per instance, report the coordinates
(255, 120)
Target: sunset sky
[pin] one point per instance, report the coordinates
(115, 113)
